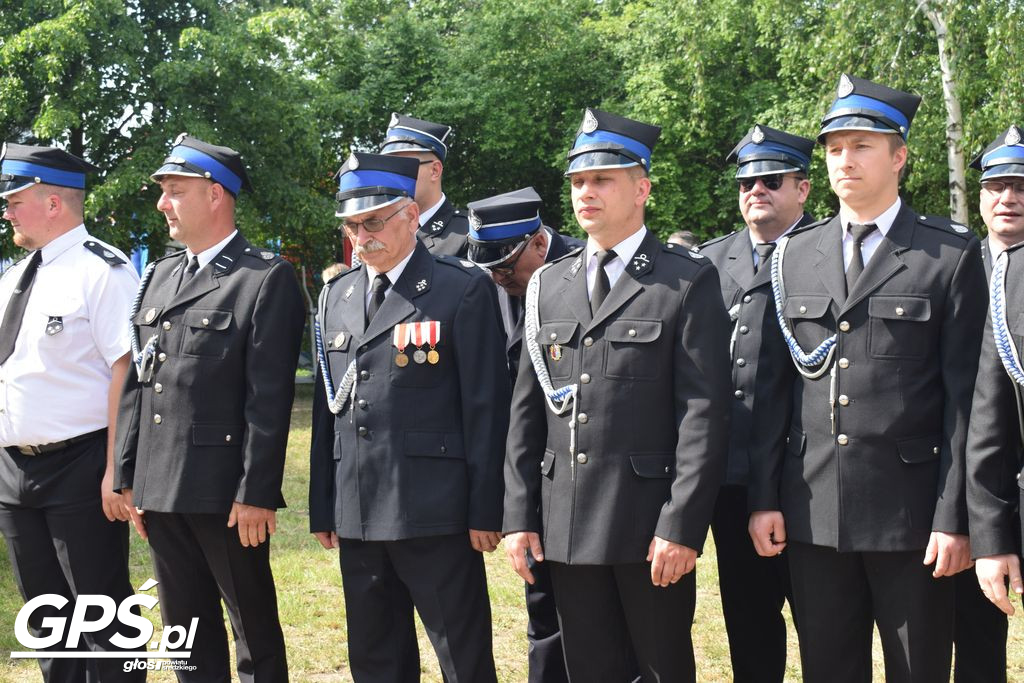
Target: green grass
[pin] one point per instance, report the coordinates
(313, 612)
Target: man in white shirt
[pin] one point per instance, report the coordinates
(63, 358)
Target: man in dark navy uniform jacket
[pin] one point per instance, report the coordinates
(771, 172)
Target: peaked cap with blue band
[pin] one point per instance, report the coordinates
(863, 105)
(499, 224)
(766, 151)
(1004, 157)
(406, 134)
(193, 158)
(370, 181)
(608, 141)
(23, 166)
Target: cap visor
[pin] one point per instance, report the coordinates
(766, 167)
(1004, 171)
(357, 205)
(487, 254)
(843, 123)
(598, 161)
(403, 146)
(174, 169)
(9, 187)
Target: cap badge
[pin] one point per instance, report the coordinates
(353, 162)
(845, 86)
(475, 221)
(758, 135)
(181, 136)
(1012, 136)
(394, 120)
(589, 124)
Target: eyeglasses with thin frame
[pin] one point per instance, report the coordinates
(997, 187)
(507, 267)
(771, 182)
(370, 224)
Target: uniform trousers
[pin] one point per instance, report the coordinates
(754, 590)
(443, 578)
(60, 542)
(979, 634)
(199, 561)
(545, 656)
(839, 597)
(615, 622)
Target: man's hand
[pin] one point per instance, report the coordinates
(951, 553)
(328, 539)
(669, 561)
(134, 513)
(484, 541)
(992, 575)
(254, 524)
(113, 503)
(516, 546)
(767, 529)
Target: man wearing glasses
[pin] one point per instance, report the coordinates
(406, 467)
(994, 443)
(507, 238)
(772, 174)
(443, 227)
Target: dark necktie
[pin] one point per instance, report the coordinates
(189, 272)
(16, 307)
(764, 253)
(601, 284)
(859, 233)
(379, 288)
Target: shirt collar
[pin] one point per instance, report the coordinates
(59, 245)
(754, 242)
(394, 273)
(883, 222)
(624, 250)
(429, 213)
(207, 255)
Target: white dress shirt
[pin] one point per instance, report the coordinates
(871, 242)
(54, 387)
(624, 252)
(207, 255)
(429, 213)
(754, 242)
(393, 275)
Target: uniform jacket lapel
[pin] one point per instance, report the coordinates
(353, 307)
(206, 280)
(887, 259)
(414, 281)
(830, 267)
(628, 284)
(740, 265)
(574, 292)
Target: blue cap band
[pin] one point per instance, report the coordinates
(503, 231)
(354, 180)
(427, 140)
(607, 136)
(766, 147)
(50, 176)
(218, 171)
(864, 102)
(1006, 154)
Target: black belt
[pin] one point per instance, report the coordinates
(57, 445)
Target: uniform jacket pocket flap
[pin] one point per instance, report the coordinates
(807, 306)
(556, 332)
(147, 315)
(633, 331)
(916, 308)
(548, 463)
(795, 443)
(654, 465)
(217, 434)
(919, 449)
(433, 445)
(336, 340)
(208, 319)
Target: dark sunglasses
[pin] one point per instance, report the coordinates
(771, 182)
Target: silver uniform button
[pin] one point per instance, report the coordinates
(582, 418)
(167, 324)
(206, 322)
(844, 363)
(746, 299)
(844, 326)
(741, 362)
(899, 310)
(162, 357)
(744, 329)
(935, 450)
(158, 388)
(581, 458)
(588, 341)
(844, 400)
(803, 309)
(227, 437)
(842, 439)
(585, 378)
(553, 336)
(157, 419)
(738, 393)
(632, 333)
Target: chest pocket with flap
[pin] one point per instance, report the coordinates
(630, 352)
(898, 326)
(555, 336)
(207, 332)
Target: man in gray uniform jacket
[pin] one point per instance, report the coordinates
(204, 417)
(619, 426)
(882, 310)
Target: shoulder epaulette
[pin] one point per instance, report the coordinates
(810, 226)
(683, 251)
(945, 225)
(715, 240)
(455, 261)
(570, 254)
(264, 254)
(104, 252)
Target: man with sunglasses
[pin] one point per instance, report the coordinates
(771, 171)
(617, 442)
(443, 228)
(994, 443)
(882, 310)
(507, 238)
(407, 451)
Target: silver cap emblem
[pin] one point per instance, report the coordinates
(1012, 136)
(589, 124)
(353, 162)
(758, 135)
(845, 86)
(394, 120)
(181, 136)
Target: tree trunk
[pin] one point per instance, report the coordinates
(954, 119)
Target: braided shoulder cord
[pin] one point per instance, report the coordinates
(335, 400)
(143, 357)
(1000, 332)
(821, 357)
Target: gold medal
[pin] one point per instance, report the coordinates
(401, 360)
(420, 356)
(433, 357)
